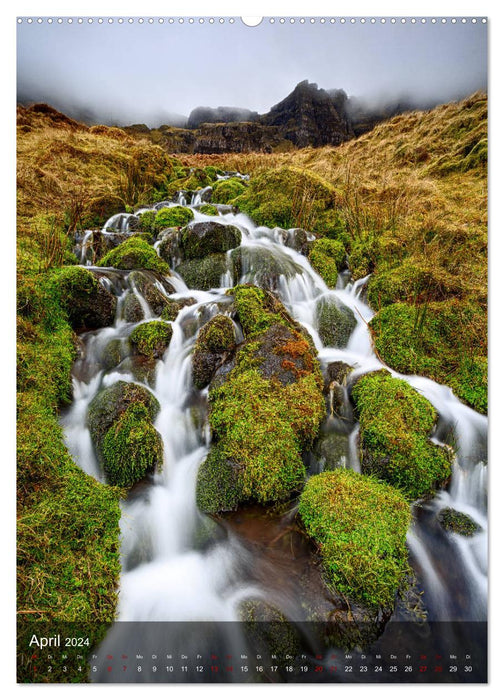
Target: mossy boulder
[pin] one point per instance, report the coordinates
(151, 339)
(135, 254)
(206, 238)
(132, 310)
(290, 197)
(113, 353)
(218, 486)
(328, 258)
(87, 304)
(224, 191)
(395, 424)
(257, 309)
(190, 181)
(215, 342)
(281, 353)
(120, 422)
(131, 448)
(110, 403)
(445, 341)
(452, 520)
(262, 267)
(359, 525)
(208, 210)
(266, 408)
(335, 323)
(167, 217)
(203, 274)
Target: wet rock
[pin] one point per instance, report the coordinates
(151, 339)
(263, 267)
(335, 323)
(206, 238)
(153, 287)
(332, 451)
(110, 403)
(132, 311)
(113, 354)
(216, 340)
(452, 520)
(336, 372)
(283, 354)
(204, 274)
(87, 303)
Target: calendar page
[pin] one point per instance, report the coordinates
(252, 349)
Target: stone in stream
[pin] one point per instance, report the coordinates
(452, 520)
(132, 311)
(120, 421)
(87, 303)
(335, 323)
(215, 342)
(206, 238)
(395, 427)
(151, 339)
(266, 406)
(150, 284)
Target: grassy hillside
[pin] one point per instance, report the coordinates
(69, 177)
(410, 202)
(405, 202)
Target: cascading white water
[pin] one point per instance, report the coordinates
(167, 573)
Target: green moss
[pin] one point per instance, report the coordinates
(445, 341)
(67, 528)
(86, 303)
(269, 405)
(132, 448)
(252, 422)
(152, 338)
(395, 423)
(225, 191)
(134, 254)
(172, 217)
(174, 306)
(108, 406)
(335, 323)
(208, 237)
(290, 198)
(203, 274)
(218, 487)
(209, 210)
(256, 309)
(190, 180)
(410, 281)
(452, 520)
(327, 258)
(360, 526)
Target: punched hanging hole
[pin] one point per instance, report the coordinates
(252, 21)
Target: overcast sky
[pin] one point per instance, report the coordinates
(128, 73)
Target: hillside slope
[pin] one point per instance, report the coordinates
(411, 196)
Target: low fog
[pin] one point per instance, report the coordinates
(159, 73)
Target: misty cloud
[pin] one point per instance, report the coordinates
(159, 73)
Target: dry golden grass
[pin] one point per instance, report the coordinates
(418, 180)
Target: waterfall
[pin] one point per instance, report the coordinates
(177, 564)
